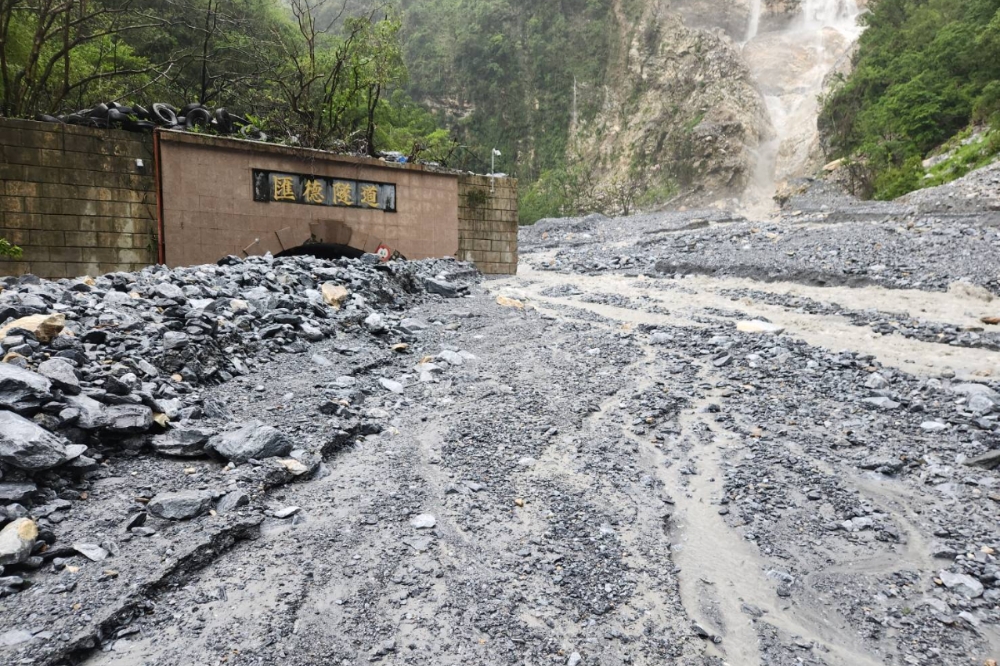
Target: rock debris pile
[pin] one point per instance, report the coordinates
(893, 246)
(94, 368)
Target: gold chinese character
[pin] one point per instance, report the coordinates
(313, 192)
(343, 193)
(369, 196)
(283, 188)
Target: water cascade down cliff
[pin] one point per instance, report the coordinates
(791, 61)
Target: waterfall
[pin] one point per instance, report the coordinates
(754, 25)
(819, 14)
(790, 65)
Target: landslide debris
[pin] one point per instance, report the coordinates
(101, 371)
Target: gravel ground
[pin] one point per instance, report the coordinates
(595, 462)
(819, 238)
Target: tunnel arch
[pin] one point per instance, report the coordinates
(324, 251)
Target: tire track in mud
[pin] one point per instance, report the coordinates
(694, 301)
(722, 579)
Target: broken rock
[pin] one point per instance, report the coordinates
(43, 326)
(26, 445)
(22, 390)
(334, 294)
(60, 372)
(182, 442)
(17, 541)
(962, 583)
(424, 521)
(253, 441)
(184, 505)
(91, 551)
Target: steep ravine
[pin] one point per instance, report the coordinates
(719, 97)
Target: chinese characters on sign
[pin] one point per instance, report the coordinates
(321, 191)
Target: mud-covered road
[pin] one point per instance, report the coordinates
(609, 464)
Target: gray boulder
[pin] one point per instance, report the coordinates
(881, 402)
(60, 372)
(22, 390)
(182, 442)
(963, 584)
(169, 291)
(184, 505)
(988, 460)
(16, 492)
(128, 419)
(443, 287)
(92, 415)
(253, 441)
(26, 445)
(232, 501)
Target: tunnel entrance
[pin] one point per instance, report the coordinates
(324, 251)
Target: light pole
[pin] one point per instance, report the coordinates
(493, 170)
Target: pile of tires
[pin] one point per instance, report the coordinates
(195, 117)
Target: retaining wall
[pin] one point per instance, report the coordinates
(75, 200)
(487, 223)
(209, 206)
(83, 201)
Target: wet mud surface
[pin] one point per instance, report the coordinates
(604, 467)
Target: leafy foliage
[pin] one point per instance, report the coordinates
(924, 70)
(8, 250)
(512, 75)
(324, 73)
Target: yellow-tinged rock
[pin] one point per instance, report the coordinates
(294, 467)
(43, 326)
(334, 294)
(89, 281)
(161, 419)
(11, 356)
(17, 540)
(401, 347)
(507, 302)
(519, 502)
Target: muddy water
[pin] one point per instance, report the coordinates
(690, 301)
(721, 574)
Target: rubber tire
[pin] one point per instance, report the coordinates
(223, 121)
(164, 114)
(45, 118)
(140, 126)
(200, 116)
(99, 111)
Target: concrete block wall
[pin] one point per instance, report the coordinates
(487, 223)
(74, 199)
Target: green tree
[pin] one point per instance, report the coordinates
(923, 71)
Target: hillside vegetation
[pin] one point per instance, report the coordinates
(316, 73)
(924, 71)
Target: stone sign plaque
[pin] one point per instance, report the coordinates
(279, 187)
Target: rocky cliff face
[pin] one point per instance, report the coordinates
(681, 103)
(717, 96)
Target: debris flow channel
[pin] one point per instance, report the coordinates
(636, 451)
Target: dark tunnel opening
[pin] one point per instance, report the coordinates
(324, 251)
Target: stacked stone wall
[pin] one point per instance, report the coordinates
(75, 199)
(487, 223)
